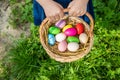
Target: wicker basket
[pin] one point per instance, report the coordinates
(67, 56)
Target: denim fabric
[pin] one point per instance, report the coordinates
(39, 14)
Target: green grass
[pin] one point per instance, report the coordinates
(30, 61)
(27, 60)
(21, 13)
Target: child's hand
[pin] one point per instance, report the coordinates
(78, 7)
(53, 10)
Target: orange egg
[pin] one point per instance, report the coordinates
(80, 28)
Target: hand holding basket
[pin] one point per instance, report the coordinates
(67, 56)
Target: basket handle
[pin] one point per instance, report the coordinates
(89, 16)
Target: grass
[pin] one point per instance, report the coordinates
(30, 61)
(27, 60)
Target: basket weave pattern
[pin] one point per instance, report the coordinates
(67, 56)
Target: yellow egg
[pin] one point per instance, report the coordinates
(66, 27)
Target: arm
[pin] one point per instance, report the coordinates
(53, 10)
(78, 7)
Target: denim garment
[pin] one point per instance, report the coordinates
(39, 14)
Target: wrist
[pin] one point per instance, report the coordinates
(43, 2)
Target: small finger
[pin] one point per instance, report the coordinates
(71, 13)
(80, 13)
(83, 13)
(61, 14)
(77, 13)
(57, 17)
(51, 18)
(74, 14)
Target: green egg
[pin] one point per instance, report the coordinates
(54, 30)
(72, 39)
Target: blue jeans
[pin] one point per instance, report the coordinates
(39, 15)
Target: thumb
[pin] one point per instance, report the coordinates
(70, 5)
(60, 6)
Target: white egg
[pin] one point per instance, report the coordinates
(73, 46)
(83, 38)
(60, 37)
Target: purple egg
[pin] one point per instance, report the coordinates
(60, 24)
(71, 32)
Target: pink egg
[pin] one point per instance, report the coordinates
(60, 24)
(62, 46)
(71, 32)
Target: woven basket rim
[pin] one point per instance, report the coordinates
(67, 58)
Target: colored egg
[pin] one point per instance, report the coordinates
(80, 28)
(62, 46)
(66, 27)
(60, 37)
(73, 46)
(83, 38)
(72, 39)
(51, 39)
(54, 30)
(60, 24)
(71, 32)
